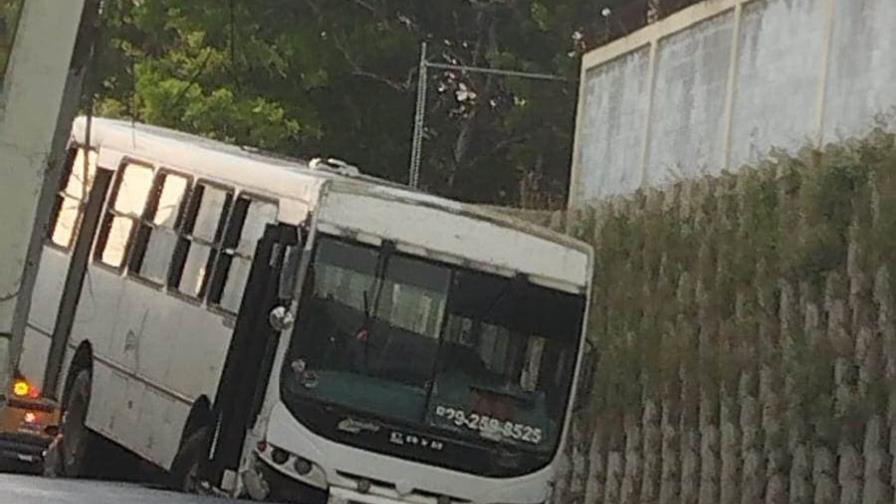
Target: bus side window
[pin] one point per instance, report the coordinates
(72, 198)
(130, 195)
(157, 237)
(246, 227)
(200, 239)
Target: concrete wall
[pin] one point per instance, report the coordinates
(722, 83)
(32, 102)
(731, 373)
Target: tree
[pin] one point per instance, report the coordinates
(338, 78)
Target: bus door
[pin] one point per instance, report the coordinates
(247, 368)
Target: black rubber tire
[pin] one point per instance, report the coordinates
(77, 442)
(190, 462)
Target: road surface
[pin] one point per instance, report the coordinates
(16, 489)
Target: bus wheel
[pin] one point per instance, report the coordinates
(191, 459)
(77, 440)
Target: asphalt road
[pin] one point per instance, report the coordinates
(17, 489)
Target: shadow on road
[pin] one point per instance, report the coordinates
(24, 489)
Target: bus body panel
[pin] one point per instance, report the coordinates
(152, 334)
(147, 389)
(162, 350)
(48, 288)
(199, 157)
(155, 351)
(136, 415)
(456, 235)
(345, 465)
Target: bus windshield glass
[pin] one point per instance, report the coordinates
(447, 350)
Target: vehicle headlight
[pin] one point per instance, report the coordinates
(299, 467)
(303, 466)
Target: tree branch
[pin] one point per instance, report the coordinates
(464, 137)
(377, 12)
(357, 69)
(361, 72)
(316, 9)
(193, 79)
(503, 144)
(368, 7)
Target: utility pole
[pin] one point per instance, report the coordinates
(39, 97)
(422, 92)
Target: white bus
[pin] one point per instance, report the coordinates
(299, 332)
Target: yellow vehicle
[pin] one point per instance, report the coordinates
(28, 423)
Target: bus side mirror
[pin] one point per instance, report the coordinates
(281, 319)
(586, 376)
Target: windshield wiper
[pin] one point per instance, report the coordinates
(370, 308)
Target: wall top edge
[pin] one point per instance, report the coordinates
(652, 33)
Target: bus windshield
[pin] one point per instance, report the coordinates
(445, 349)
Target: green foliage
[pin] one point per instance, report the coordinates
(705, 283)
(827, 207)
(338, 78)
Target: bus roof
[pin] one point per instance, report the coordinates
(271, 173)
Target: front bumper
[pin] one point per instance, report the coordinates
(281, 488)
(345, 496)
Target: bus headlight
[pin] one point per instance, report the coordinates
(298, 467)
(279, 456)
(302, 466)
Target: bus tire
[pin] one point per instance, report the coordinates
(77, 442)
(191, 459)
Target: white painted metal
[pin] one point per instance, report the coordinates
(286, 432)
(156, 352)
(272, 176)
(449, 233)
